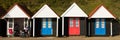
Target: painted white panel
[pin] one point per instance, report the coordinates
(102, 12)
(57, 28)
(16, 12)
(111, 30)
(33, 27)
(62, 26)
(77, 22)
(74, 11)
(45, 12)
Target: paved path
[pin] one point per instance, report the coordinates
(62, 38)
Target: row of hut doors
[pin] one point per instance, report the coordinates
(15, 25)
(74, 26)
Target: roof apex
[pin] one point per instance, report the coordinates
(74, 11)
(45, 12)
(96, 13)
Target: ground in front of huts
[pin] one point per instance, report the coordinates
(62, 38)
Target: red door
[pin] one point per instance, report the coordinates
(74, 26)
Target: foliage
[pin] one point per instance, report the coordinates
(59, 6)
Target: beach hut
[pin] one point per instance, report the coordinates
(74, 21)
(45, 22)
(17, 19)
(100, 21)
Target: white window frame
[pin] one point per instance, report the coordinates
(11, 25)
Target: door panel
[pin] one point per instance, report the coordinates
(19, 24)
(100, 28)
(10, 26)
(46, 27)
(74, 26)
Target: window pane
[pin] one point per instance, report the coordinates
(97, 23)
(10, 20)
(44, 23)
(43, 19)
(103, 23)
(10, 23)
(26, 20)
(71, 22)
(77, 22)
(49, 23)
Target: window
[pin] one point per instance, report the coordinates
(25, 22)
(97, 23)
(10, 23)
(44, 23)
(103, 23)
(71, 22)
(49, 23)
(77, 22)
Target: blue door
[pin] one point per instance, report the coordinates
(46, 27)
(100, 27)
